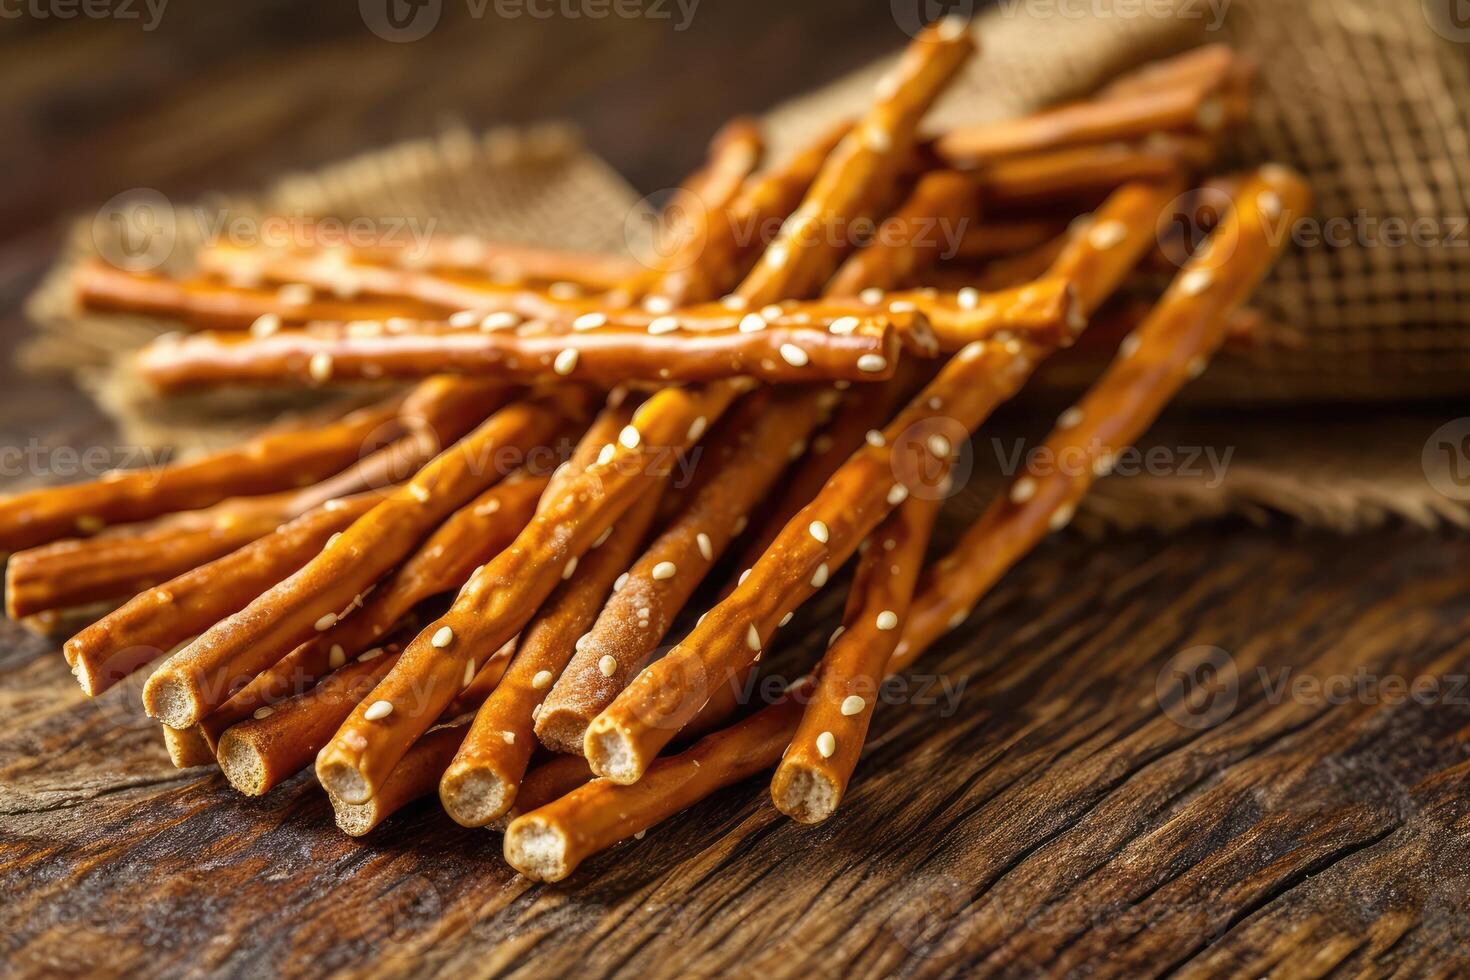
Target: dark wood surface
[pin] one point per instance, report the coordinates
(1296, 815)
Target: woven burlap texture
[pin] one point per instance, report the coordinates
(1361, 95)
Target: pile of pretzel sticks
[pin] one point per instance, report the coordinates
(476, 605)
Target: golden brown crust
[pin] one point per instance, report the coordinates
(333, 584)
(275, 460)
(750, 449)
(501, 597)
(918, 234)
(813, 775)
(480, 784)
(156, 620)
(783, 349)
(1160, 356)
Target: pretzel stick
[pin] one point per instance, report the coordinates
(156, 620)
(131, 559)
(1171, 346)
(502, 262)
(625, 737)
(547, 844)
(415, 776)
(1043, 309)
(743, 460)
(203, 303)
(199, 678)
(472, 535)
(794, 351)
(480, 783)
(186, 747)
(915, 236)
(1207, 67)
(280, 740)
(813, 775)
(622, 740)
(861, 167)
(1130, 115)
(274, 460)
(738, 234)
(1044, 177)
(501, 597)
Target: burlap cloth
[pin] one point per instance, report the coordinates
(1367, 97)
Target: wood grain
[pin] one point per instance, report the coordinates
(1059, 821)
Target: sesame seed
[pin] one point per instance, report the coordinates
(902, 306)
(897, 494)
(469, 673)
(852, 704)
(371, 654)
(835, 634)
(465, 318)
(663, 324)
(844, 325)
(939, 445)
(826, 745)
(743, 576)
(265, 325)
(664, 570)
(1196, 366)
(872, 295)
(787, 618)
(504, 320)
(326, 622)
(733, 302)
(889, 544)
(794, 355)
(508, 737)
(818, 530)
(262, 712)
(752, 323)
(875, 439)
(740, 524)
(570, 570)
(442, 637)
(320, 366)
(294, 294)
(772, 311)
(1129, 346)
(608, 665)
(336, 536)
(418, 492)
(629, 437)
(1103, 465)
(658, 304)
(1061, 517)
(602, 538)
(619, 582)
(968, 298)
(1195, 281)
(542, 680)
(872, 363)
(336, 657)
(752, 637)
(1107, 234)
(819, 577)
(1270, 204)
(706, 548)
(566, 362)
(1023, 490)
(378, 710)
(1070, 419)
(696, 428)
(582, 642)
(958, 618)
(605, 454)
(887, 620)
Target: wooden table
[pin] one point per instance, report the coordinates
(1229, 751)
